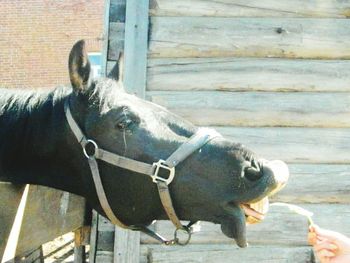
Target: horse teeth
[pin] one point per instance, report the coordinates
(261, 206)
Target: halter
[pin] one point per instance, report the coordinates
(200, 138)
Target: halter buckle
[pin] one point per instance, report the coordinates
(157, 166)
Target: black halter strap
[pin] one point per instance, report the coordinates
(200, 138)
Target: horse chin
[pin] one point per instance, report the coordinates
(234, 225)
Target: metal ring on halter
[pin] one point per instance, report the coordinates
(186, 231)
(95, 149)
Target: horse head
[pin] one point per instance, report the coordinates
(217, 182)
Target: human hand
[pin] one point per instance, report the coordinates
(329, 246)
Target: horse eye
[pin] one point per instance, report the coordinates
(124, 124)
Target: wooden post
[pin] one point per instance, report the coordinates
(126, 242)
(136, 46)
(126, 246)
(93, 237)
(81, 239)
(105, 37)
(131, 17)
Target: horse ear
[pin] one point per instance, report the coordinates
(117, 72)
(121, 67)
(79, 67)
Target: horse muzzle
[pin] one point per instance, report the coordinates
(274, 176)
(277, 173)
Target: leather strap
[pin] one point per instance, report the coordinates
(167, 203)
(102, 194)
(124, 162)
(200, 138)
(72, 124)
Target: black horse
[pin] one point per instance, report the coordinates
(216, 183)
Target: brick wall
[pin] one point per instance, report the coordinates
(37, 35)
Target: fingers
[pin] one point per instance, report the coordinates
(325, 250)
(325, 245)
(325, 234)
(324, 259)
(312, 238)
(324, 255)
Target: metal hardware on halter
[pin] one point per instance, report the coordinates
(187, 231)
(95, 148)
(162, 164)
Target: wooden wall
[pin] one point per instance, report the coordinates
(275, 76)
(33, 215)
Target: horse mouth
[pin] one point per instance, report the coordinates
(256, 212)
(239, 215)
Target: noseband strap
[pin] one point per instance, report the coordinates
(200, 138)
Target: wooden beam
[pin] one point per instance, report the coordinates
(105, 37)
(117, 11)
(116, 43)
(294, 145)
(10, 198)
(136, 45)
(127, 246)
(81, 239)
(38, 224)
(249, 37)
(229, 254)
(93, 237)
(251, 8)
(316, 183)
(248, 74)
(127, 243)
(298, 109)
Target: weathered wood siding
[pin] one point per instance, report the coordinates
(249, 37)
(46, 214)
(280, 71)
(251, 8)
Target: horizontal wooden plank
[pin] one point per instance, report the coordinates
(248, 74)
(281, 227)
(249, 37)
(294, 145)
(225, 254)
(48, 214)
(104, 256)
(316, 183)
(251, 8)
(296, 109)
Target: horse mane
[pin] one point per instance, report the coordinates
(27, 117)
(17, 103)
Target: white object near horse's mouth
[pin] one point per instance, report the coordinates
(297, 209)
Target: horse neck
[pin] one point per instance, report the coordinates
(33, 142)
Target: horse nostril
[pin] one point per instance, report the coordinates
(252, 174)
